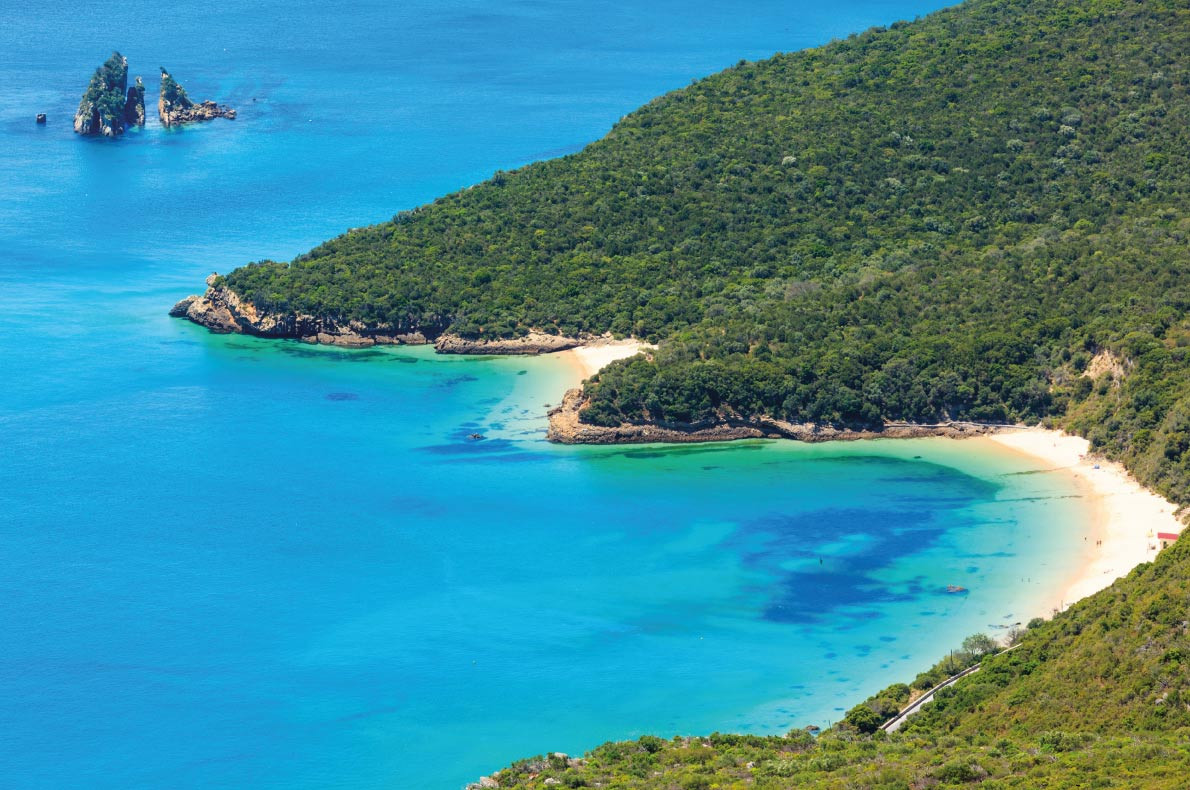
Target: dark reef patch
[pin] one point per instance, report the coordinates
(453, 381)
(846, 589)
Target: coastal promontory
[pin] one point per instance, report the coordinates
(939, 221)
(223, 311)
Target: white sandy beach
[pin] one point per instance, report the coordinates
(590, 358)
(1127, 516)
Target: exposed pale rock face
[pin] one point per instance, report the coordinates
(223, 311)
(532, 343)
(174, 107)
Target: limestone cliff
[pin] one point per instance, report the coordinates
(174, 107)
(102, 109)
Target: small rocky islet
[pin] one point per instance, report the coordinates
(109, 106)
(174, 107)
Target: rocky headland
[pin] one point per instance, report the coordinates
(222, 310)
(174, 107)
(108, 105)
(532, 343)
(566, 427)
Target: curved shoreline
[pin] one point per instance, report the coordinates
(1125, 516)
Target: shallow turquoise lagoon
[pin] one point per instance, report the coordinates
(234, 563)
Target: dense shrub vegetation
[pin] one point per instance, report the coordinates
(944, 219)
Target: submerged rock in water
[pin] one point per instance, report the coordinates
(174, 107)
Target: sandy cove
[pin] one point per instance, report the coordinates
(1125, 515)
(594, 355)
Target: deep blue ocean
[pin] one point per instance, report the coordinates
(234, 563)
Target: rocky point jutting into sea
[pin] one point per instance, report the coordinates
(566, 427)
(222, 311)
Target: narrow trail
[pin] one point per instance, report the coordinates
(894, 724)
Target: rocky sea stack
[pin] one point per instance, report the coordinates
(134, 107)
(109, 106)
(174, 107)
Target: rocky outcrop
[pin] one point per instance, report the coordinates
(534, 766)
(532, 343)
(134, 106)
(1107, 363)
(174, 107)
(566, 427)
(101, 110)
(109, 106)
(221, 310)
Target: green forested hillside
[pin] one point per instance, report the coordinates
(944, 219)
(1098, 697)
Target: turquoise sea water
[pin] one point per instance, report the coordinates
(233, 563)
